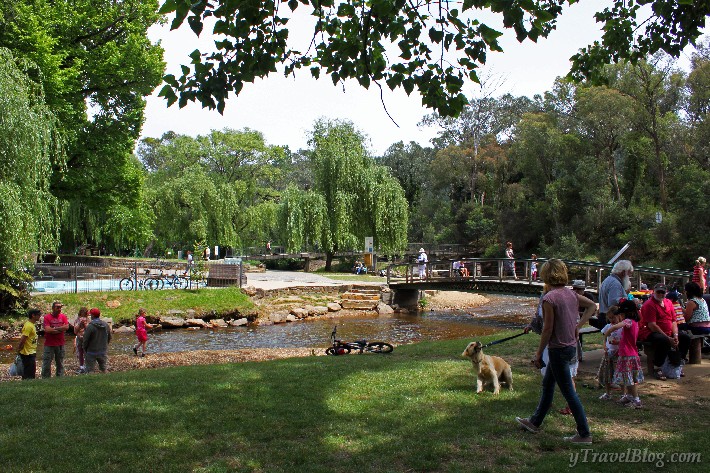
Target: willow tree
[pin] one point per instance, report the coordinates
(28, 149)
(351, 198)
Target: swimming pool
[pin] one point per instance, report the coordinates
(81, 285)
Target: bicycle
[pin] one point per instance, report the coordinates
(339, 347)
(174, 281)
(150, 283)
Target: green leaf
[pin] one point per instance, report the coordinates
(195, 56)
(436, 35)
(168, 7)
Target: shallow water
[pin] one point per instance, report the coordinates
(501, 312)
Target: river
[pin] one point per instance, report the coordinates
(502, 312)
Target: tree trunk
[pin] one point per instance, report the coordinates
(328, 260)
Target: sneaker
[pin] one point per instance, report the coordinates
(634, 404)
(135, 351)
(605, 397)
(624, 400)
(527, 425)
(577, 439)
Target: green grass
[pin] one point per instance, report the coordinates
(413, 410)
(354, 277)
(226, 300)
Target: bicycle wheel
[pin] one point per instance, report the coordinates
(152, 284)
(180, 283)
(379, 347)
(126, 284)
(335, 351)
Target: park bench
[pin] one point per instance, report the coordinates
(695, 354)
(580, 342)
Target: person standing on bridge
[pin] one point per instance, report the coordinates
(613, 290)
(700, 274)
(422, 261)
(510, 265)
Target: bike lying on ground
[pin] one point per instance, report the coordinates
(340, 347)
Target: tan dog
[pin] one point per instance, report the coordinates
(491, 370)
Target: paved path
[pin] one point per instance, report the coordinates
(280, 279)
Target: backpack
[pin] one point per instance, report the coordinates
(16, 368)
(673, 366)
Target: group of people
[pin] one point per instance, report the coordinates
(562, 312)
(92, 337)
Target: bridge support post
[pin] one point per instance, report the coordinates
(307, 265)
(408, 298)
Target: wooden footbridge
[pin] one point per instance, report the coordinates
(505, 276)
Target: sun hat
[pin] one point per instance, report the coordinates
(421, 250)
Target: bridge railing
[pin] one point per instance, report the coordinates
(520, 270)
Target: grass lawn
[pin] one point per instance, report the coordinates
(222, 300)
(353, 277)
(413, 410)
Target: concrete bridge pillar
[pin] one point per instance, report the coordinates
(408, 298)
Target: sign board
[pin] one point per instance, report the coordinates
(369, 244)
(659, 217)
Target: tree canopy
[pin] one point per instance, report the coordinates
(352, 197)
(433, 47)
(96, 65)
(29, 147)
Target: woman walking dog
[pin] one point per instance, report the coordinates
(560, 308)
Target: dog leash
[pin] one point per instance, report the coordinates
(504, 340)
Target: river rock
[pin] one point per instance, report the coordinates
(196, 323)
(176, 312)
(113, 304)
(3, 333)
(172, 322)
(249, 291)
(310, 309)
(291, 318)
(334, 307)
(219, 323)
(194, 328)
(299, 312)
(384, 309)
(278, 317)
(124, 329)
(108, 320)
(190, 313)
(319, 310)
(238, 322)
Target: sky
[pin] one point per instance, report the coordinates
(284, 109)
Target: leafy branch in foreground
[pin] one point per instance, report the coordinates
(430, 46)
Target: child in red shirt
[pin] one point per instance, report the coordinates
(628, 372)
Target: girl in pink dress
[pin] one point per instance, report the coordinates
(628, 372)
(141, 332)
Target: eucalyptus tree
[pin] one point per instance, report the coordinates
(29, 147)
(698, 105)
(605, 116)
(352, 197)
(409, 163)
(434, 47)
(656, 86)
